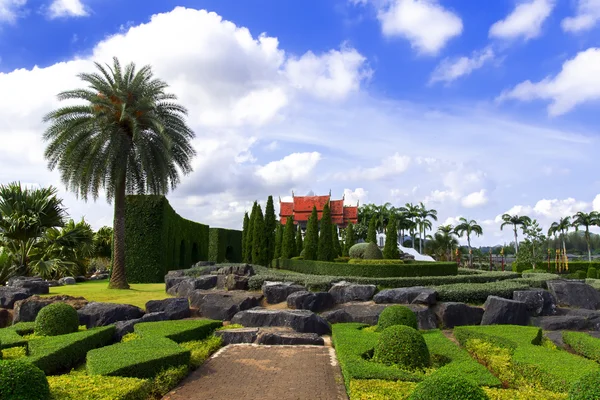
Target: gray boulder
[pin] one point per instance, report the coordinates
(414, 295)
(175, 308)
(102, 314)
(299, 320)
(501, 311)
(289, 338)
(80, 279)
(368, 313)
(561, 322)
(5, 318)
(185, 287)
(10, 295)
(26, 310)
(32, 285)
(453, 314)
(344, 292)
(67, 280)
(236, 282)
(539, 301)
(122, 328)
(175, 273)
(241, 269)
(239, 335)
(99, 277)
(171, 281)
(592, 316)
(277, 292)
(223, 305)
(575, 294)
(305, 300)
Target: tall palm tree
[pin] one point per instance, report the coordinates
(126, 136)
(425, 223)
(561, 226)
(467, 227)
(447, 231)
(412, 212)
(515, 220)
(383, 214)
(587, 220)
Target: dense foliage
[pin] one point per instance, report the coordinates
(447, 387)
(311, 240)
(403, 346)
(288, 246)
(269, 231)
(325, 246)
(372, 252)
(56, 319)
(390, 249)
(23, 381)
(396, 315)
(587, 388)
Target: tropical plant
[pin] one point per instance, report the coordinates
(561, 226)
(412, 212)
(442, 243)
(103, 242)
(515, 220)
(586, 220)
(424, 222)
(466, 228)
(127, 136)
(532, 249)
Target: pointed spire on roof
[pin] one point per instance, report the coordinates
(292, 193)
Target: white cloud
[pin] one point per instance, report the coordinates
(352, 197)
(556, 208)
(441, 196)
(426, 24)
(578, 82)
(274, 145)
(596, 203)
(292, 168)
(451, 69)
(586, 17)
(67, 8)
(390, 166)
(475, 199)
(525, 21)
(9, 10)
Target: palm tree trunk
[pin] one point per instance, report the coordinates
(587, 240)
(118, 279)
(470, 252)
(516, 241)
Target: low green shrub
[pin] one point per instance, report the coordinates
(341, 259)
(404, 346)
(10, 338)
(478, 292)
(23, 381)
(447, 387)
(535, 271)
(573, 266)
(372, 252)
(98, 387)
(595, 283)
(358, 250)
(56, 319)
(592, 273)
(374, 262)
(577, 275)
(583, 344)
(200, 350)
(23, 328)
(377, 389)
(523, 393)
(178, 331)
(297, 258)
(396, 315)
(587, 388)
(535, 280)
(59, 353)
(13, 353)
(167, 379)
(142, 358)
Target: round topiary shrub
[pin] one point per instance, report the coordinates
(403, 345)
(592, 273)
(372, 252)
(56, 319)
(396, 315)
(446, 387)
(22, 380)
(586, 388)
(358, 250)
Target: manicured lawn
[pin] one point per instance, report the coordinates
(138, 295)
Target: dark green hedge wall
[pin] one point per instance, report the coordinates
(224, 245)
(573, 266)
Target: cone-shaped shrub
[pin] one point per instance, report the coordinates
(372, 232)
(390, 249)
(337, 248)
(278, 240)
(270, 226)
(299, 242)
(311, 240)
(288, 247)
(259, 244)
(245, 235)
(349, 240)
(325, 241)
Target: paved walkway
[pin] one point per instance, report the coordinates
(265, 373)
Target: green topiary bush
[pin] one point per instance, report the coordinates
(447, 387)
(358, 250)
(396, 315)
(592, 273)
(587, 388)
(56, 319)
(372, 252)
(23, 381)
(402, 345)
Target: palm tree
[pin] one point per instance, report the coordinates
(382, 214)
(587, 220)
(441, 244)
(448, 231)
(561, 226)
(412, 212)
(467, 227)
(103, 242)
(128, 136)
(515, 220)
(425, 223)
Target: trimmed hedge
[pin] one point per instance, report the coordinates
(587, 388)
(403, 346)
(447, 387)
(375, 271)
(396, 315)
(141, 358)
(178, 331)
(59, 353)
(98, 387)
(224, 245)
(583, 344)
(374, 262)
(56, 319)
(10, 338)
(23, 381)
(23, 328)
(478, 292)
(574, 266)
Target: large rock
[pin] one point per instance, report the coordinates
(175, 273)
(175, 308)
(26, 310)
(32, 285)
(501, 311)
(122, 328)
(305, 300)
(575, 294)
(67, 280)
(236, 282)
(539, 301)
(289, 338)
(368, 313)
(171, 281)
(239, 335)
(299, 320)
(10, 295)
(223, 305)
(187, 286)
(101, 314)
(98, 277)
(592, 316)
(415, 295)
(561, 322)
(277, 292)
(241, 269)
(344, 292)
(5, 318)
(453, 314)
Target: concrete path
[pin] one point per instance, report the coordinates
(267, 373)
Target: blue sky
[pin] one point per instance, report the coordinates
(474, 110)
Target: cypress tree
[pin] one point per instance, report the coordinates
(337, 248)
(250, 234)
(244, 234)
(270, 226)
(299, 243)
(325, 252)
(372, 232)
(288, 246)
(259, 248)
(311, 240)
(278, 240)
(390, 250)
(350, 239)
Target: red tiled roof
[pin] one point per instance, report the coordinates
(351, 213)
(337, 207)
(286, 209)
(301, 209)
(337, 219)
(306, 203)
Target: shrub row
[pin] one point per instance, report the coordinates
(375, 262)
(10, 338)
(543, 266)
(478, 292)
(54, 354)
(583, 344)
(98, 387)
(370, 270)
(178, 331)
(224, 244)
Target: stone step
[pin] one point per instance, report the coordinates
(269, 336)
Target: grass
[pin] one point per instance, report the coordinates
(138, 295)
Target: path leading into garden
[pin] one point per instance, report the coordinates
(266, 373)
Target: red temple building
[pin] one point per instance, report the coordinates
(301, 207)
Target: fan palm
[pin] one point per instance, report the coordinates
(586, 220)
(127, 136)
(468, 227)
(561, 226)
(515, 220)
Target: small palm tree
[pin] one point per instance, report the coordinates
(127, 136)
(425, 222)
(561, 226)
(467, 227)
(447, 231)
(515, 220)
(586, 220)
(103, 242)
(412, 213)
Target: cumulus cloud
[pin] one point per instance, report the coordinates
(578, 82)
(586, 17)
(525, 21)
(390, 166)
(67, 8)
(352, 197)
(450, 69)
(291, 168)
(9, 10)
(475, 199)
